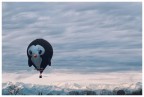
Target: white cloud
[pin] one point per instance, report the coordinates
(91, 35)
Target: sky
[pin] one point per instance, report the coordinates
(86, 37)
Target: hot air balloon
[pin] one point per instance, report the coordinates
(39, 54)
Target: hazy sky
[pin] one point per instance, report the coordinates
(86, 37)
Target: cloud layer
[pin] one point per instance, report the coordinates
(86, 37)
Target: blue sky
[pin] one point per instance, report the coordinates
(86, 37)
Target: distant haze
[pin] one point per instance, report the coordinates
(86, 37)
